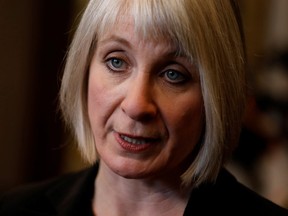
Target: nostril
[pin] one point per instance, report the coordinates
(138, 111)
(140, 108)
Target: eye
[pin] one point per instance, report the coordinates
(116, 64)
(174, 76)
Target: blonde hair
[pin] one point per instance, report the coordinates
(207, 31)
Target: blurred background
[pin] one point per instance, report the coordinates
(34, 144)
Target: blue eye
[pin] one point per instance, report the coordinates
(174, 76)
(115, 63)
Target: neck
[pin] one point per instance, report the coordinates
(115, 195)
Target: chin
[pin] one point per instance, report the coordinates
(131, 170)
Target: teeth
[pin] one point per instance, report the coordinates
(133, 141)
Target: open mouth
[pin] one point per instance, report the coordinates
(135, 144)
(137, 141)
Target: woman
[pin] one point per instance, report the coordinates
(154, 92)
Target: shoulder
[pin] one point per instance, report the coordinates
(245, 199)
(46, 196)
(228, 196)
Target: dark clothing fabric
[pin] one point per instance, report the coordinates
(72, 194)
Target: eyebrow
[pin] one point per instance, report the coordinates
(115, 38)
(118, 39)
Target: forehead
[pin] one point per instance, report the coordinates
(144, 21)
(126, 29)
(126, 33)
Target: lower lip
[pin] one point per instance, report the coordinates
(133, 148)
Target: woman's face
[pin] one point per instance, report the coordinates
(144, 104)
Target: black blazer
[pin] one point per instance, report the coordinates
(72, 194)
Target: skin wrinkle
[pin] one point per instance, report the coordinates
(125, 106)
(132, 46)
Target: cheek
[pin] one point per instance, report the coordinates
(98, 99)
(193, 121)
(186, 122)
(94, 97)
(102, 101)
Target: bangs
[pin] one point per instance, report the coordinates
(153, 20)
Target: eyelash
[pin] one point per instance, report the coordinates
(183, 77)
(109, 64)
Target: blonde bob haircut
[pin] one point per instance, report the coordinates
(208, 32)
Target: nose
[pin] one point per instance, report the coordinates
(138, 102)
